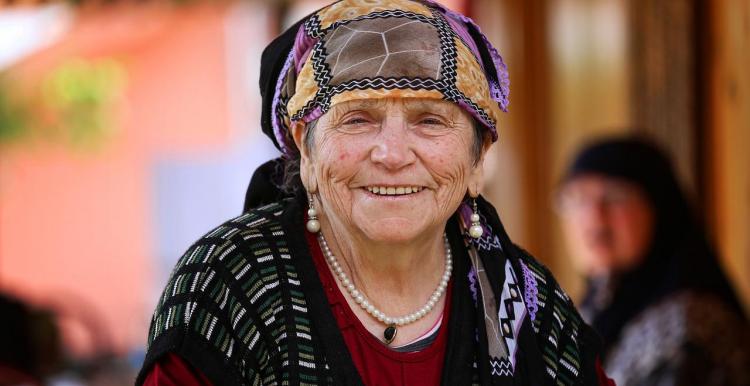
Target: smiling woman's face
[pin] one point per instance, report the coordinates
(390, 169)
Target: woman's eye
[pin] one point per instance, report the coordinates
(355, 121)
(431, 121)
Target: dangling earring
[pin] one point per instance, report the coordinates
(313, 225)
(476, 229)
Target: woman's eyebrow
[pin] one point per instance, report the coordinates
(426, 107)
(368, 103)
(444, 112)
(363, 104)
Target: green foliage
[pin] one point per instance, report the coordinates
(74, 103)
(13, 115)
(82, 95)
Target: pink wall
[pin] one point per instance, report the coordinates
(75, 224)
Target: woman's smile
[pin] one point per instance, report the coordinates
(394, 191)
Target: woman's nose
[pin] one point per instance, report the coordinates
(392, 148)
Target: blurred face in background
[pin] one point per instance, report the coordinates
(608, 223)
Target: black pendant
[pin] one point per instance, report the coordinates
(390, 333)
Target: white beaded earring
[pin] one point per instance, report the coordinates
(476, 229)
(313, 225)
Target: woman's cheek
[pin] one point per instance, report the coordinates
(451, 166)
(334, 192)
(337, 165)
(449, 162)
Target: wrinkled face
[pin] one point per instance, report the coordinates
(608, 222)
(390, 170)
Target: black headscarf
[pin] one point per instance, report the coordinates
(680, 257)
(271, 65)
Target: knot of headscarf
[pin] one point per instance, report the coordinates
(354, 49)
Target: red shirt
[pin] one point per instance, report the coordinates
(172, 370)
(377, 364)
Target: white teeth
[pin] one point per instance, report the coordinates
(394, 191)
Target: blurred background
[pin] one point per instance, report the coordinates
(130, 128)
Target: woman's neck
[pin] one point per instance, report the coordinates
(396, 276)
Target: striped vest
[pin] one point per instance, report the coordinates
(245, 306)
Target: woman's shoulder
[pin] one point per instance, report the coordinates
(550, 296)
(233, 253)
(240, 237)
(221, 298)
(567, 340)
(250, 230)
(252, 220)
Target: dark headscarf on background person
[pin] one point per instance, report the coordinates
(680, 257)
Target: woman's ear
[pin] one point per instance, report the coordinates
(476, 179)
(306, 169)
(298, 134)
(476, 176)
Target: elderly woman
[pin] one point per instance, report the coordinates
(372, 258)
(656, 291)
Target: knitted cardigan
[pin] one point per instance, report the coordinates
(245, 306)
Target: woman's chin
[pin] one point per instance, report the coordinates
(394, 219)
(394, 229)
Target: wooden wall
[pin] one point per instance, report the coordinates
(728, 139)
(666, 73)
(580, 69)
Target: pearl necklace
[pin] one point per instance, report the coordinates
(389, 334)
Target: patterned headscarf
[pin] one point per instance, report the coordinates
(363, 49)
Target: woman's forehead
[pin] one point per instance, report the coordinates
(405, 104)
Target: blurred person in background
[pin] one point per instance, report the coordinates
(367, 255)
(30, 348)
(654, 288)
(34, 349)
